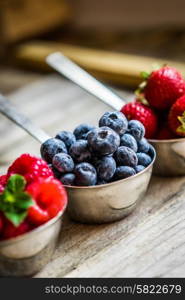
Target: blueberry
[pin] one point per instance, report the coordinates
(82, 130)
(116, 120)
(51, 147)
(67, 137)
(85, 174)
(101, 181)
(68, 179)
(136, 129)
(143, 145)
(56, 173)
(103, 140)
(126, 157)
(128, 141)
(139, 168)
(105, 168)
(143, 159)
(151, 151)
(80, 151)
(63, 162)
(95, 158)
(123, 172)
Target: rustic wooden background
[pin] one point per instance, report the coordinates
(148, 243)
(126, 15)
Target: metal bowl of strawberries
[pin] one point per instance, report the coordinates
(32, 202)
(160, 106)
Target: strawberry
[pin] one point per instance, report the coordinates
(30, 199)
(165, 133)
(49, 198)
(176, 117)
(31, 167)
(10, 231)
(163, 87)
(1, 223)
(142, 113)
(3, 180)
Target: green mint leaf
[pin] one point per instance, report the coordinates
(3, 205)
(15, 201)
(16, 218)
(8, 197)
(16, 183)
(23, 200)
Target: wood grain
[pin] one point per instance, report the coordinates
(149, 242)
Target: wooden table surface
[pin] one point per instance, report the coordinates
(148, 243)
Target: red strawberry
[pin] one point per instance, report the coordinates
(50, 197)
(142, 113)
(3, 181)
(10, 231)
(165, 133)
(176, 117)
(163, 87)
(31, 167)
(1, 223)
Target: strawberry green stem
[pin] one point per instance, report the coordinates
(181, 128)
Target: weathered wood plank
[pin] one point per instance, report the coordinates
(152, 249)
(12, 79)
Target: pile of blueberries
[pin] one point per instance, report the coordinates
(91, 155)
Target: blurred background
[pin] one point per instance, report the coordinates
(113, 39)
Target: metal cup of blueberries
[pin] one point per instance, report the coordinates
(97, 165)
(105, 171)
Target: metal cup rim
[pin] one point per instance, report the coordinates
(32, 232)
(167, 140)
(73, 187)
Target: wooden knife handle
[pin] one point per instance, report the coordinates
(115, 67)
